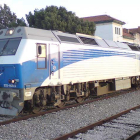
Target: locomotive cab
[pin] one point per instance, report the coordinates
(23, 65)
(10, 78)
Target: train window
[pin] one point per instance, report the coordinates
(134, 48)
(68, 39)
(41, 56)
(90, 41)
(3, 43)
(43, 50)
(101, 42)
(111, 44)
(123, 46)
(9, 46)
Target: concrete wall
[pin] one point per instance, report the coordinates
(107, 31)
(117, 36)
(104, 31)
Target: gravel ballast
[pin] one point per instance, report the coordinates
(117, 129)
(55, 124)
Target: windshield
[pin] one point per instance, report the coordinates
(9, 46)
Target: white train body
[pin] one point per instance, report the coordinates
(45, 59)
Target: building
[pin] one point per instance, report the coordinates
(127, 36)
(135, 33)
(110, 28)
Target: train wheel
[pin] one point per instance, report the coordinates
(37, 106)
(80, 99)
(35, 110)
(62, 104)
(29, 107)
(59, 104)
(87, 93)
(67, 97)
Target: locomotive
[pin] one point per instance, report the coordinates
(40, 67)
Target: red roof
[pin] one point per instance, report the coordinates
(135, 30)
(127, 33)
(102, 18)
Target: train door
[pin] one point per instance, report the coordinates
(54, 61)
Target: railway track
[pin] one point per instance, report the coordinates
(51, 110)
(124, 123)
(58, 123)
(134, 136)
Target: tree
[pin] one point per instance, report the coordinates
(19, 22)
(55, 18)
(9, 19)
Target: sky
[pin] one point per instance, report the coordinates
(124, 10)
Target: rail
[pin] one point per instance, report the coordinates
(84, 129)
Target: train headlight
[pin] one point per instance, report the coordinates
(13, 81)
(10, 32)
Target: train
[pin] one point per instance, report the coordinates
(40, 68)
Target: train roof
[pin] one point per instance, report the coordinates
(93, 40)
(28, 33)
(58, 36)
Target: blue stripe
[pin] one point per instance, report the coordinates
(27, 73)
(10, 72)
(73, 56)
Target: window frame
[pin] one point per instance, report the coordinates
(117, 31)
(45, 58)
(90, 39)
(8, 40)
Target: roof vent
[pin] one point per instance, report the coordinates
(90, 41)
(68, 39)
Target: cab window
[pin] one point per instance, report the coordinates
(41, 56)
(9, 46)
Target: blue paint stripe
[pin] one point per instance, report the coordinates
(10, 72)
(28, 72)
(73, 56)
